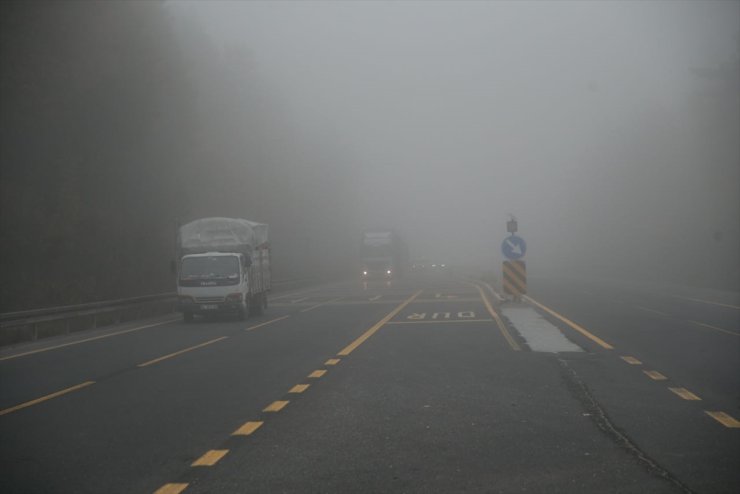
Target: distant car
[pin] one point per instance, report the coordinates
(420, 265)
(427, 266)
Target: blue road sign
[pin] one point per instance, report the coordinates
(514, 247)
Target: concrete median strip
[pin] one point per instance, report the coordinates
(540, 334)
(580, 329)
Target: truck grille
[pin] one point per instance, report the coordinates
(209, 300)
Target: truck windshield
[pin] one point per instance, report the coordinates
(210, 267)
(376, 250)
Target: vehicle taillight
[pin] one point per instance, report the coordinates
(234, 297)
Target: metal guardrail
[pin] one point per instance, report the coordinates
(53, 311)
(30, 325)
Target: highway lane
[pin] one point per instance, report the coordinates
(107, 436)
(407, 386)
(693, 342)
(665, 374)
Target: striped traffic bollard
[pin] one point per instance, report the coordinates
(515, 279)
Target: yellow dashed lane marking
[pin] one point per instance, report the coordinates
(250, 328)
(630, 360)
(332, 361)
(210, 458)
(185, 350)
(276, 406)
(247, 429)
(655, 375)
(317, 373)
(724, 419)
(367, 334)
(46, 398)
(570, 323)
(299, 388)
(171, 489)
(685, 394)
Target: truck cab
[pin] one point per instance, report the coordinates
(212, 283)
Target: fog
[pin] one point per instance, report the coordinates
(583, 119)
(609, 129)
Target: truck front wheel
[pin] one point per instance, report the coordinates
(256, 304)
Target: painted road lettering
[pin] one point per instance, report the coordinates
(420, 316)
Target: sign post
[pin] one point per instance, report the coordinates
(514, 269)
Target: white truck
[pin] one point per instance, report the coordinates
(383, 254)
(223, 267)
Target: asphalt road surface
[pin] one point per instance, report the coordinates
(426, 384)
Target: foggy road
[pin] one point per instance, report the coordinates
(426, 384)
(183, 158)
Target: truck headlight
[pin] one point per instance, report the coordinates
(389, 271)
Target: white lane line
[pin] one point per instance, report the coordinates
(733, 333)
(252, 328)
(108, 335)
(652, 310)
(710, 302)
(495, 293)
(180, 352)
(322, 303)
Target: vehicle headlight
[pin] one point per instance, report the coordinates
(364, 273)
(389, 271)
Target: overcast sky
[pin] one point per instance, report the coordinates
(455, 114)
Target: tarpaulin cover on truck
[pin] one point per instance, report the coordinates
(222, 234)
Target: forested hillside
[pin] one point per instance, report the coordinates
(117, 122)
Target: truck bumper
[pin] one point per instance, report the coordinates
(209, 308)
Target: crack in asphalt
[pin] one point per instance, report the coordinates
(580, 391)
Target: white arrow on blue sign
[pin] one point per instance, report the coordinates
(514, 247)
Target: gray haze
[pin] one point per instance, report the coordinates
(610, 130)
(584, 119)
